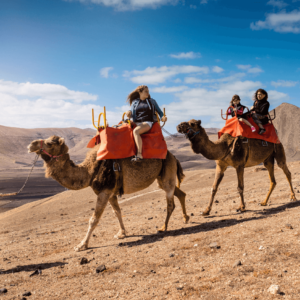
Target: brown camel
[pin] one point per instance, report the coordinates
(240, 153)
(110, 178)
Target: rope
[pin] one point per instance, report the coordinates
(21, 189)
(170, 134)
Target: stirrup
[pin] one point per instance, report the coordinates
(137, 158)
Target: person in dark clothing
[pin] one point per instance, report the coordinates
(260, 109)
(143, 109)
(237, 110)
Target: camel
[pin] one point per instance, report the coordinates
(238, 153)
(109, 178)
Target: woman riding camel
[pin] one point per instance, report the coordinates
(142, 111)
(260, 109)
(238, 110)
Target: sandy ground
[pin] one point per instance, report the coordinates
(179, 264)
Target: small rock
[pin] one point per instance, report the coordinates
(83, 261)
(285, 271)
(192, 214)
(100, 269)
(237, 263)
(36, 272)
(27, 294)
(134, 271)
(172, 255)
(180, 287)
(288, 226)
(245, 254)
(202, 269)
(274, 289)
(92, 208)
(196, 245)
(214, 245)
(3, 291)
(217, 201)
(150, 218)
(233, 201)
(261, 248)
(152, 271)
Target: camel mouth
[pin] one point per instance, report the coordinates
(180, 129)
(30, 149)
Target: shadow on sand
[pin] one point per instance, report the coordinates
(205, 227)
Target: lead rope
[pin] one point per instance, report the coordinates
(21, 189)
(171, 135)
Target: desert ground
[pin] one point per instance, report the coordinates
(227, 255)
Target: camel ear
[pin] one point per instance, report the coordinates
(196, 123)
(61, 141)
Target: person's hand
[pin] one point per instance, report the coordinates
(164, 119)
(128, 114)
(252, 107)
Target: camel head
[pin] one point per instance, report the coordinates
(54, 146)
(190, 128)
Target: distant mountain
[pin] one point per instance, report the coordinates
(287, 123)
(14, 142)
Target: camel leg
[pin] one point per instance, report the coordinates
(240, 175)
(116, 208)
(269, 164)
(281, 162)
(170, 209)
(181, 196)
(94, 220)
(220, 169)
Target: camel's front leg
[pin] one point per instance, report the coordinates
(181, 196)
(269, 164)
(170, 209)
(240, 175)
(94, 220)
(116, 208)
(220, 169)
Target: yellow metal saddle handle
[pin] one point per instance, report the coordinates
(99, 119)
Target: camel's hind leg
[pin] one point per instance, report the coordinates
(94, 220)
(181, 196)
(116, 208)
(269, 164)
(220, 169)
(281, 161)
(240, 175)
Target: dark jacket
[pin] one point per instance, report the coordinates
(152, 102)
(261, 108)
(239, 110)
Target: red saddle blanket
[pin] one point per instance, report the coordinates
(236, 128)
(119, 143)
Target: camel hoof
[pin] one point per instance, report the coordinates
(163, 229)
(262, 204)
(120, 235)
(293, 199)
(186, 219)
(205, 213)
(81, 247)
(240, 210)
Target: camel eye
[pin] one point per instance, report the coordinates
(48, 144)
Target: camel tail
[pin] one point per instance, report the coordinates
(180, 175)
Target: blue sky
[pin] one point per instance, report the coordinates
(59, 59)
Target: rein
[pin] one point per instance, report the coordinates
(52, 156)
(191, 130)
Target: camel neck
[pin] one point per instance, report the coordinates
(210, 150)
(68, 174)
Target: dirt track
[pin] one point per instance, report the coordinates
(176, 265)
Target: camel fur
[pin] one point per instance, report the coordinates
(100, 176)
(238, 153)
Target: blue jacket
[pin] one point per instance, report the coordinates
(154, 107)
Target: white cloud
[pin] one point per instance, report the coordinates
(177, 80)
(244, 67)
(173, 89)
(277, 3)
(217, 69)
(186, 55)
(105, 71)
(255, 70)
(193, 103)
(284, 83)
(283, 22)
(234, 77)
(35, 105)
(249, 69)
(44, 90)
(124, 5)
(154, 75)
